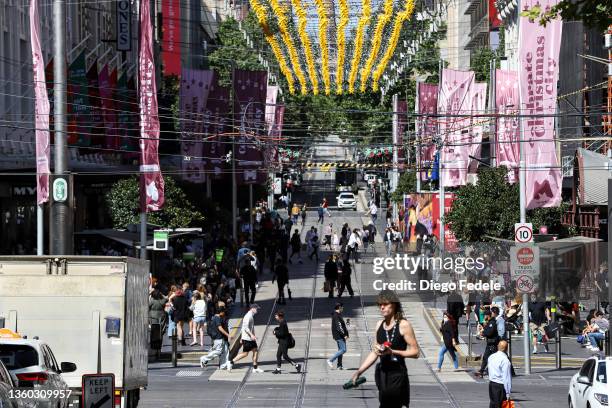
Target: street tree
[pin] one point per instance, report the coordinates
(124, 205)
(491, 208)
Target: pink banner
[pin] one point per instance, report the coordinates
(195, 87)
(108, 109)
(478, 106)
(171, 42)
(402, 124)
(41, 108)
(427, 104)
(249, 108)
(276, 134)
(507, 134)
(453, 99)
(149, 121)
(271, 96)
(538, 75)
(216, 123)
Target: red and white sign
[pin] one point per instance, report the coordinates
(525, 267)
(171, 43)
(523, 232)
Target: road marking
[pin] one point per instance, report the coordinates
(189, 373)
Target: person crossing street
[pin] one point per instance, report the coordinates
(284, 338)
(219, 333)
(249, 340)
(296, 246)
(340, 335)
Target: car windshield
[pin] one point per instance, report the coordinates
(16, 356)
(347, 196)
(601, 372)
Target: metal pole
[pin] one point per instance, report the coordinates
(174, 349)
(558, 350)
(251, 211)
(234, 186)
(40, 229)
(469, 356)
(418, 138)
(395, 126)
(441, 180)
(493, 108)
(208, 186)
(143, 235)
(60, 217)
(609, 238)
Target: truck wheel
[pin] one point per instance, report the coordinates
(132, 398)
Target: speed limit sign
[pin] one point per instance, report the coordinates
(523, 232)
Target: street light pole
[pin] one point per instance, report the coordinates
(234, 186)
(60, 220)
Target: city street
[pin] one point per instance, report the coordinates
(309, 316)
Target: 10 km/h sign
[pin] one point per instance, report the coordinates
(523, 232)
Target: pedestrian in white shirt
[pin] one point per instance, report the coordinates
(249, 340)
(500, 376)
(353, 245)
(198, 307)
(373, 211)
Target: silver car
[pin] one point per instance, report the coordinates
(33, 368)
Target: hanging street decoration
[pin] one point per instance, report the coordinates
(341, 39)
(280, 12)
(364, 20)
(260, 12)
(310, 63)
(323, 25)
(383, 20)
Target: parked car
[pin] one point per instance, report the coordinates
(7, 389)
(588, 388)
(347, 200)
(32, 365)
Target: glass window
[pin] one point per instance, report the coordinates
(16, 356)
(587, 368)
(601, 372)
(52, 360)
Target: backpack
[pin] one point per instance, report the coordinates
(290, 341)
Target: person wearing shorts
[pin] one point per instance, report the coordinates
(539, 316)
(249, 340)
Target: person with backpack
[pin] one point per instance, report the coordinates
(296, 246)
(340, 334)
(219, 333)
(285, 342)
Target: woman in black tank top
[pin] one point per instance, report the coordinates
(395, 341)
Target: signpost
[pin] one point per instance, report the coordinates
(98, 390)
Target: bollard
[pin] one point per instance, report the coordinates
(509, 340)
(174, 348)
(558, 349)
(469, 340)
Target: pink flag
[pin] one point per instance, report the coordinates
(478, 105)
(108, 108)
(427, 104)
(506, 103)
(538, 75)
(271, 96)
(42, 109)
(193, 96)
(149, 121)
(453, 99)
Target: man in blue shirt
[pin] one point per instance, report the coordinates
(500, 378)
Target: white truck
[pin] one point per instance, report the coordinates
(92, 311)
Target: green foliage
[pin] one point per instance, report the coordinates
(491, 208)
(593, 13)
(234, 50)
(124, 205)
(405, 185)
(480, 63)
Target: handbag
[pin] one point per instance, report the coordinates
(290, 341)
(326, 286)
(508, 404)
